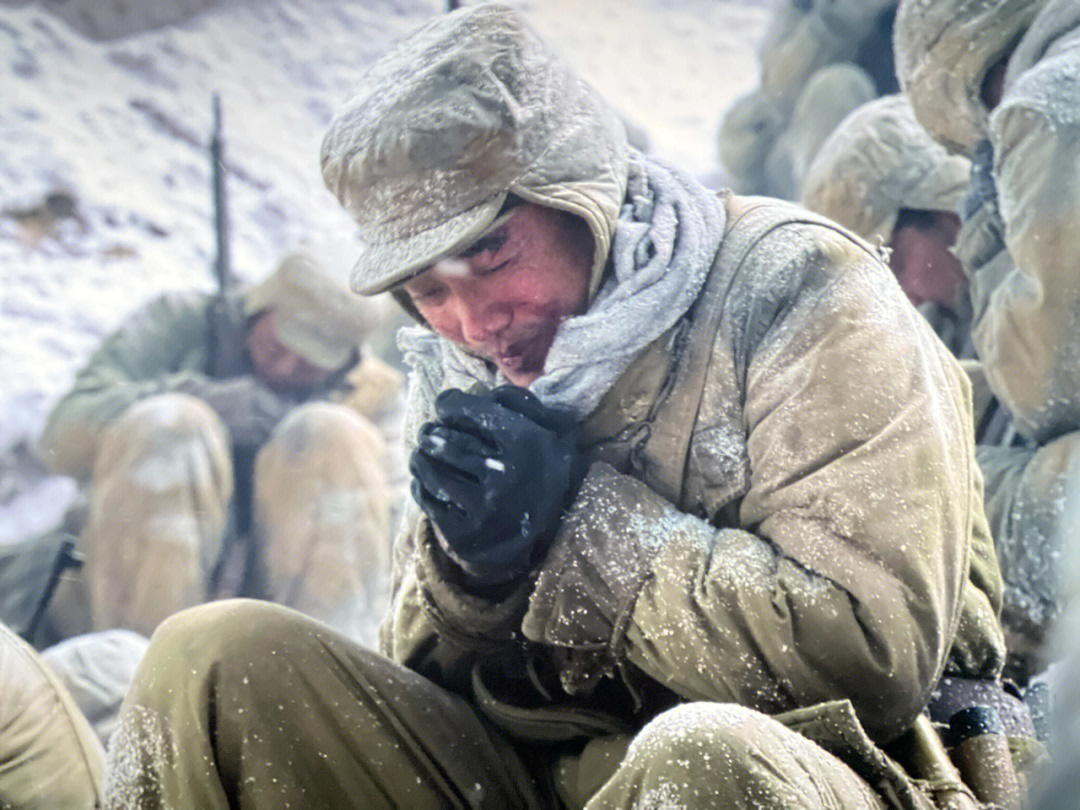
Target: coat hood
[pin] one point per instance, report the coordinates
(944, 49)
(878, 161)
(829, 95)
(469, 110)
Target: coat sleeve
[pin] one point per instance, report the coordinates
(1028, 335)
(846, 574)
(434, 626)
(1027, 504)
(158, 349)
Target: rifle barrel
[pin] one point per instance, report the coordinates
(222, 271)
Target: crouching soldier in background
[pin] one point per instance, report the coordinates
(188, 456)
(697, 521)
(881, 175)
(817, 62)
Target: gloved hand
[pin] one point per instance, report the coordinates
(247, 407)
(494, 472)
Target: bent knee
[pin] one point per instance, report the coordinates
(332, 441)
(170, 435)
(233, 641)
(718, 729)
(324, 426)
(179, 414)
(211, 635)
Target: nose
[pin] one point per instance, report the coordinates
(482, 317)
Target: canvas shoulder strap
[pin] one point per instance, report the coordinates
(663, 455)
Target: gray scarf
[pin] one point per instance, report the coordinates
(664, 243)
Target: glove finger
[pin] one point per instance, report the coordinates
(444, 482)
(463, 434)
(450, 520)
(464, 452)
(469, 413)
(520, 400)
(432, 506)
(454, 401)
(487, 420)
(525, 402)
(419, 494)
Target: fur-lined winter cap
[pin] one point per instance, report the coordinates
(464, 112)
(944, 49)
(878, 161)
(318, 317)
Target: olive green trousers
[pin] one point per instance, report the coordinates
(244, 704)
(159, 510)
(49, 755)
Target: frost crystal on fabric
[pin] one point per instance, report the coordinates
(138, 751)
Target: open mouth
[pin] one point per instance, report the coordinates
(516, 356)
(511, 360)
(523, 352)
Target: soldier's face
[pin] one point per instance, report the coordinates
(275, 363)
(505, 296)
(921, 260)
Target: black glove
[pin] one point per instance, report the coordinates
(494, 472)
(248, 408)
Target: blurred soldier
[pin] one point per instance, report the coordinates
(882, 175)
(777, 165)
(804, 36)
(670, 546)
(188, 457)
(997, 80)
(819, 60)
(830, 94)
(51, 758)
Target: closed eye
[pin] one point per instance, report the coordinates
(429, 296)
(480, 272)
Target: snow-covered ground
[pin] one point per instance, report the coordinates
(120, 129)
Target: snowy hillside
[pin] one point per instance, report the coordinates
(113, 135)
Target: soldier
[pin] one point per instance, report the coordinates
(882, 175)
(670, 546)
(996, 80)
(818, 61)
(776, 164)
(188, 457)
